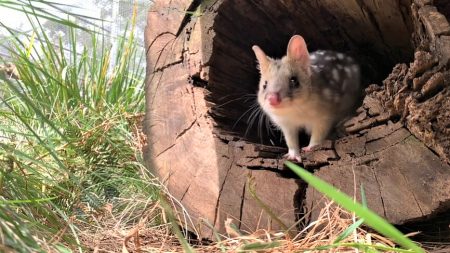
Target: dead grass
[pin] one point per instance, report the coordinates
(134, 225)
(107, 232)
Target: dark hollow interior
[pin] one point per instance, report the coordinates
(443, 7)
(435, 229)
(378, 38)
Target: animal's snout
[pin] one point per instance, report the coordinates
(274, 98)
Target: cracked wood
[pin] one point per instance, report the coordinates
(200, 72)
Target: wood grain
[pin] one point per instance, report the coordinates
(202, 79)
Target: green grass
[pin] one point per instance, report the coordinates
(47, 10)
(70, 147)
(370, 218)
(69, 136)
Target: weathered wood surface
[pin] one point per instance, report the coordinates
(403, 179)
(184, 149)
(411, 181)
(200, 71)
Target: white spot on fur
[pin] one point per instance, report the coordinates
(340, 56)
(348, 71)
(328, 93)
(318, 67)
(355, 68)
(335, 74)
(313, 57)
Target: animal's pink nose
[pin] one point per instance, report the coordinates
(274, 98)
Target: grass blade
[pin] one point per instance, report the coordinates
(371, 219)
(348, 231)
(260, 246)
(171, 216)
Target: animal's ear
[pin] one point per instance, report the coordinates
(297, 50)
(261, 57)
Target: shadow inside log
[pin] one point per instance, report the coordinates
(443, 7)
(432, 230)
(376, 44)
(378, 148)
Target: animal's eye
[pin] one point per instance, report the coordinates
(293, 82)
(265, 85)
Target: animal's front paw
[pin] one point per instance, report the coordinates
(293, 155)
(308, 148)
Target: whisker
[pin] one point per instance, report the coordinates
(269, 126)
(242, 116)
(253, 114)
(245, 97)
(252, 118)
(261, 118)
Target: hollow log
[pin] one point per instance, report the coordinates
(201, 85)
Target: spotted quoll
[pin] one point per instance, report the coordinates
(310, 91)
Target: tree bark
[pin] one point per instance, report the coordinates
(201, 75)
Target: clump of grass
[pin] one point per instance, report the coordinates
(329, 233)
(70, 138)
(320, 235)
(367, 216)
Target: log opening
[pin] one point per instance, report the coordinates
(443, 7)
(377, 40)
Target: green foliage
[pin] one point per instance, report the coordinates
(370, 218)
(355, 225)
(47, 10)
(174, 224)
(68, 135)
